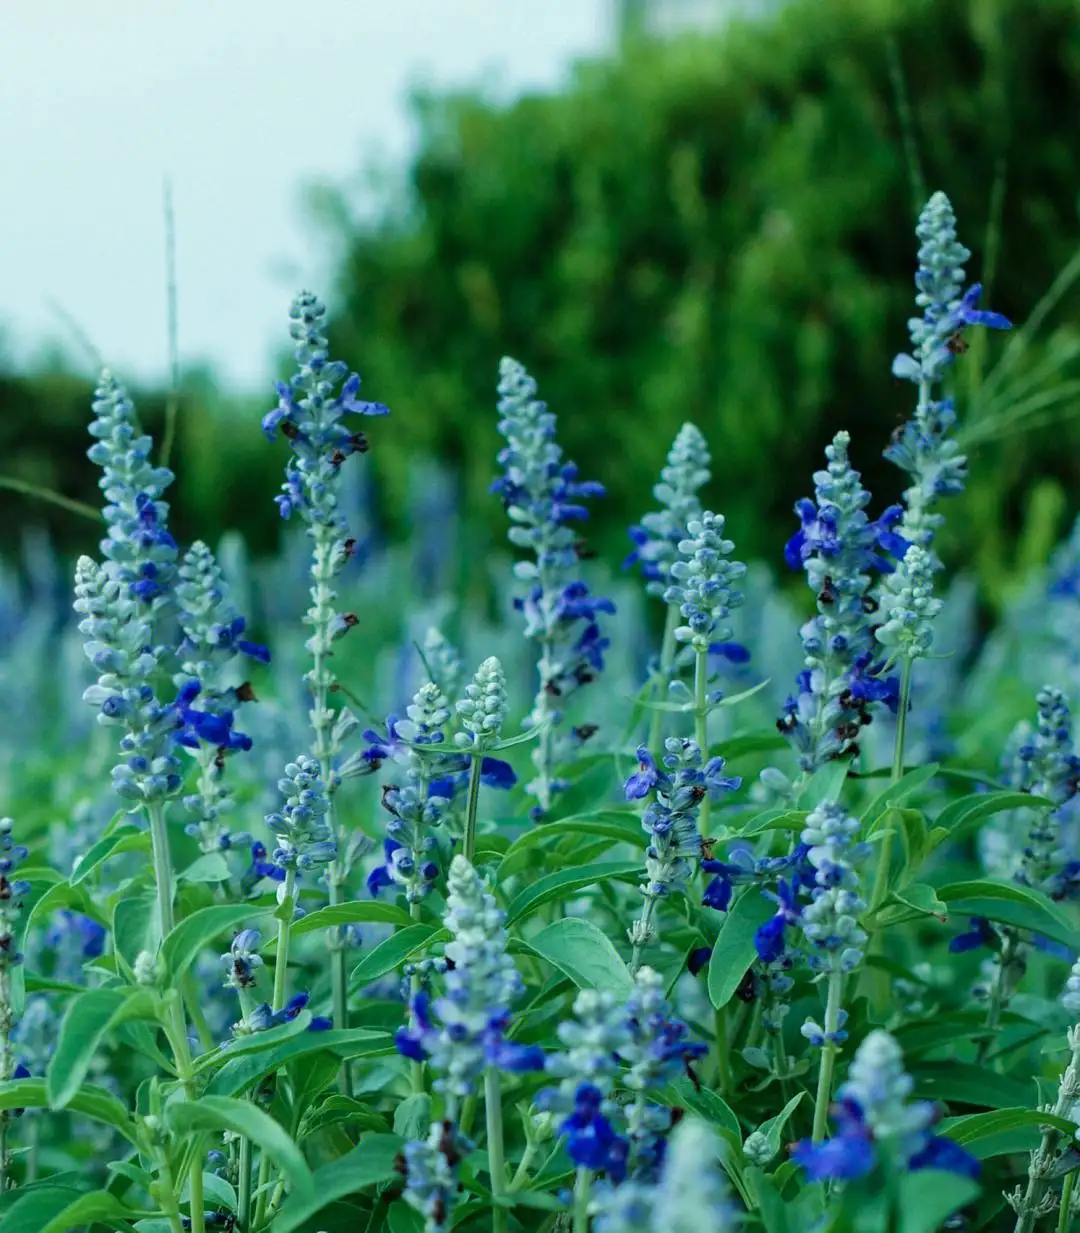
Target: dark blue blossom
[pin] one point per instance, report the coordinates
(543, 497)
(591, 1141)
(979, 934)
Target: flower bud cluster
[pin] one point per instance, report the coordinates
(304, 838)
(702, 583)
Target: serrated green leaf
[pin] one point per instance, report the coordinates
(370, 1164)
(187, 941)
(220, 1113)
(567, 882)
(393, 951)
(584, 953)
(734, 950)
(86, 1022)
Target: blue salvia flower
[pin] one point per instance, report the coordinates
(304, 838)
(587, 1065)
(118, 644)
(311, 411)
(482, 711)
(70, 942)
(658, 537)
(140, 551)
(213, 641)
(242, 960)
(657, 1051)
(838, 546)
(691, 1196)
(464, 1030)
(543, 498)
(830, 921)
(876, 1116)
(924, 447)
(907, 630)
(12, 892)
(678, 786)
(702, 583)
(416, 812)
(444, 663)
(1053, 772)
(431, 1174)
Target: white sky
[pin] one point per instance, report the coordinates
(241, 104)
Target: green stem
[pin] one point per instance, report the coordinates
(175, 1028)
(667, 657)
(828, 1056)
(582, 1186)
(881, 877)
(416, 1069)
(999, 992)
(163, 877)
(644, 932)
(496, 1157)
(701, 727)
(723, 1062)
(521, 1173)
(1044, 1157)
(1065, 1207)
(469, 843)
(243, 1202)
(284, 929)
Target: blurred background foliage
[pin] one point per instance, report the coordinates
(716, 227)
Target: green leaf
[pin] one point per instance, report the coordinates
(619, 825)
(34, 1209)
(896, 794)
(710, 1106)
(92, 1102)
(369, 1164)
(401, 1218)
(220, 1113)
(1010, 905)
(237, 1074)
(257, 1042)
(210, 867)
(915, 901)
(734, 950)
(778, 818)
(134, 926)
(566, 882)
(825, 784)
(959, 815)
(360, 912)
(185, 943)
(772, 1207)
(393, 951)
(584, 953)
(743, 744)
(970, 1085)
(99, 1207)
(63, 896)
(86, 1021)
(929, 1196)
(774, 1127)
(123, 839)
(989, 1134)
(412, 1117)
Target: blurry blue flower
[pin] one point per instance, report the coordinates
(979, 934)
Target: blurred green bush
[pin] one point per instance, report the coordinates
(715, 228)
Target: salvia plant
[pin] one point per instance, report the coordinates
(582, 927)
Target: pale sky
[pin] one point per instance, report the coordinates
(240, 104)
